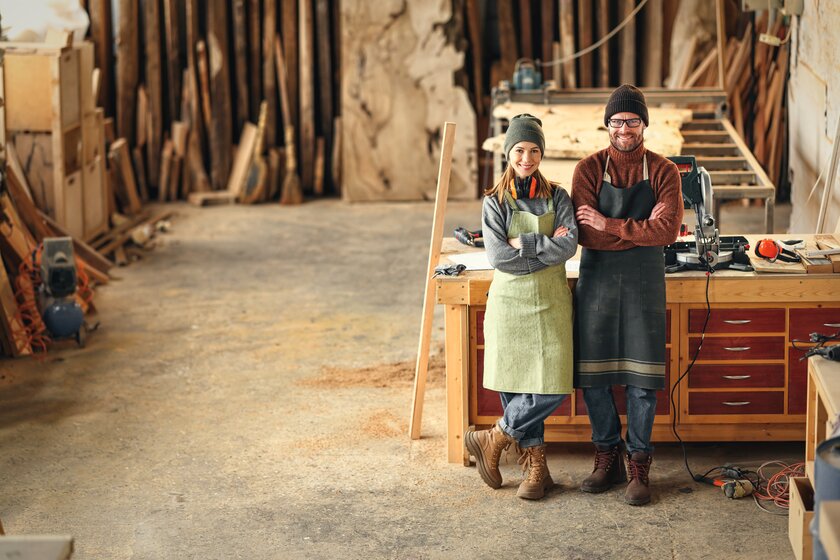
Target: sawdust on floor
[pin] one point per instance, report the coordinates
(395, 374)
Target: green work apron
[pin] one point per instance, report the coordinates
(528, 325)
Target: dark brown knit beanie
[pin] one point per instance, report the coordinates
(626, 99)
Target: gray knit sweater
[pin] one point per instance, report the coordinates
(538, 251)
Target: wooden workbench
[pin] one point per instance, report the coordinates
(748, 383)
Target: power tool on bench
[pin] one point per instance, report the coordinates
(709, 251)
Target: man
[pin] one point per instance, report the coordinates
(628, 205)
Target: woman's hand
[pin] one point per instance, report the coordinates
(561, 231)
(515, 242)
(658, 211)
(588, 216)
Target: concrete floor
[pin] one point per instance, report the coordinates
(247, 396)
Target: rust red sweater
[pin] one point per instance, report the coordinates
(626, 170)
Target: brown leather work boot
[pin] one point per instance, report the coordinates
(487, 446)
(538, 479)
(638, 491)
(609, 470)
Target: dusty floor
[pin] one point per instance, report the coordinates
(220, 412)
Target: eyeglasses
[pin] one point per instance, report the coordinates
(632, 123)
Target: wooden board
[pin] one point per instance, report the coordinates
(289, 20)
(122, 155)
(240, 61)
(242, 160)
(154, 83)
(28, 101)
(307, 92)
(567, 42)
(101, 31)
(174, 71)
(254, 64)
(828, 241)
(269, 79)
(603, 13)
(127, 67)
(221, 137)
(211, 198)
(325, 79)
(628, 44)
(585, 71)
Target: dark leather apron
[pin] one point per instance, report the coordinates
(620, 301)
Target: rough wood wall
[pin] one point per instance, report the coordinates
(398, 89)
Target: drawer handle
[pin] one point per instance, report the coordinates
(736, 403)
(737, 321)
(737, 348)
(736, 377)
(832, 325)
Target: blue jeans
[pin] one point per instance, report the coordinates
(606, 425)
(525, 414)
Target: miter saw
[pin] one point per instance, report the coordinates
(709, 251)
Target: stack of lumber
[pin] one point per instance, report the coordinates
(186, 85)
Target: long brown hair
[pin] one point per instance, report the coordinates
(545, 189)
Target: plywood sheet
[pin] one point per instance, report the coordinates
(28, 102)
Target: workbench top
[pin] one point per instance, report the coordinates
(726, 286)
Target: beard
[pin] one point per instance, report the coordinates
(627, 146)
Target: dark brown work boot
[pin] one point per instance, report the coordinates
(609, 470)
(638, 491)
(538, 479)
(487, 446)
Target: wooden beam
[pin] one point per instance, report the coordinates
(654, 29)
(526, 36)
(422, 367)
(720, 17)
(172, 30)
(507, 39)
(240, 61)
(567, 42)
(584, 40)
(628, 44)
(101, 31)
(307, 94)
(127, 68)
(548, 18)
(269, 79)
(290, 51)
(221, 137)
(154, 85)
(254, 55)
(604, 51)
(473, 17)
(325, 79)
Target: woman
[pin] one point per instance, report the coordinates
(530, 232)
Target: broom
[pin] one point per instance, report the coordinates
(290, 192)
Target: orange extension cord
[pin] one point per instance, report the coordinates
(775, 488)
(28, 280)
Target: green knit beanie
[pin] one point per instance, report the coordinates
(524, 128)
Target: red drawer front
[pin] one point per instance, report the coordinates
(479, 327)
(740, 348)
(797, 382)
(737, 320)
(489, 403)
(741, 402)
(735, 375)
(667, 326)
(803, 322)
(663, 397)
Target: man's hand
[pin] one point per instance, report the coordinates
(515, 242)
(561, 231)
(658, 211)
(588, 216)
